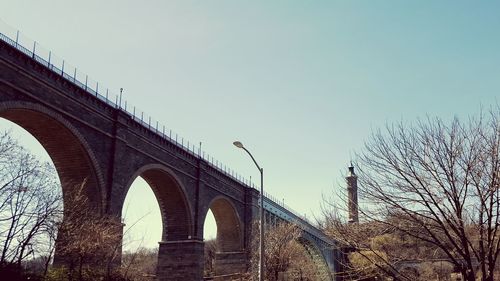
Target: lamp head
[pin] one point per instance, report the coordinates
(238, 144)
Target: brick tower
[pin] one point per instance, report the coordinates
(352, 192)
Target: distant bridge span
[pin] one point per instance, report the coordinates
(92, 138)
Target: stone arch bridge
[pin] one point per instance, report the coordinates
(90, 138)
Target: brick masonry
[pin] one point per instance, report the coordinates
(90, 141)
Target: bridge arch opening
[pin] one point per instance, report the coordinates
(226, 255)
(142, 229)
(39, 190)
(53, 139)
(67, 149)
(210, 244)
(170, 196)
(156, 214)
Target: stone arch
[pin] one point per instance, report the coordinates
(317, 257)
(229, 226)
(72, 156)
(230, 257)
(171, 196)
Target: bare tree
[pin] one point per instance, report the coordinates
(284, 255)
(31, 217)
(88, 243)
(437, 184)
(30, 202)
(374, 250)
(140, 265)
(209, 257)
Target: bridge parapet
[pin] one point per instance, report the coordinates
(286, 213)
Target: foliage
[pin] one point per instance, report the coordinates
(139, 265)
(87, 274)
(209, 258)
(284, 255)
(12, 272)
(87, 241)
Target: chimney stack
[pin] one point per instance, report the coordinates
(352, 192)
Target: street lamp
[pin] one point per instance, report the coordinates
(261, 211)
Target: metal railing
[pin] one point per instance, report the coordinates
(301, 221)
(59, 66)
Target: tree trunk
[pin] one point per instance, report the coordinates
(468, 275)
(80, 269)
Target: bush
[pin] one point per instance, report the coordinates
(13, 272)
(87, 274)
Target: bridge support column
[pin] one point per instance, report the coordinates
(230, 263)
(180, 260)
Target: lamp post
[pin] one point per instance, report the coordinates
(261, 211)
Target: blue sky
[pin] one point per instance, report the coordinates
(301, 83)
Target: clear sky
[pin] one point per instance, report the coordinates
(301, 83)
